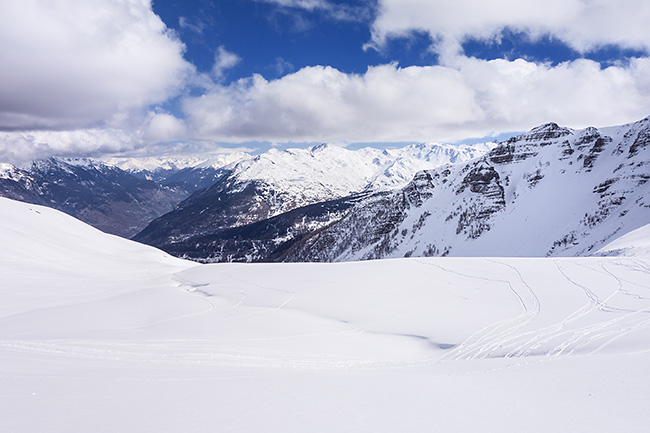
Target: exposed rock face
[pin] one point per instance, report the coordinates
(527, 145)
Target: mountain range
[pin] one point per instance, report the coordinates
(263, 204)
(101, 195)
(552, 191)
(123, 195)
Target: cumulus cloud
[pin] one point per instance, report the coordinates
(160, 127)
(459, 98)
(582, 24)
(388, 103)
(20, 147)
(224, 60)
(70, 63)
(89, 68)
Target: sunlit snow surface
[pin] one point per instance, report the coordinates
(101, 334)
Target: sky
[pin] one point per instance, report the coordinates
(103, 77)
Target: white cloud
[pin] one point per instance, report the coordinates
(337, 11)
(196, 27)
(387, 103)
(88, 68)
(582, 24)
(223, 60)
(281, 66)
(70, 63)
(301, 4)
(163, 127)
(21, 147)
(460, 98)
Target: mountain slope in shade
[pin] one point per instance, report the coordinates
(92, 325)
(550, 192)
(106, 197)
(277, 182)
(266, 240)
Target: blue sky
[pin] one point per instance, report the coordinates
(101, 77)
(272, 40)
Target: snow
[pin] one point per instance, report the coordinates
(556, 195)
(332, 171)
(634, 243)
(8, 171)
(291, 178)
(101, 334)
(155, 163)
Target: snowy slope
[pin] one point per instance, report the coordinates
(550, 192)
(634, 243)
(404, 162)
(329, 171)
(101, 334)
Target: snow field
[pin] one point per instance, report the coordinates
(102, 334)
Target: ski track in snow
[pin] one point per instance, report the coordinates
(616, 304)
(507, 337)
(484, 341)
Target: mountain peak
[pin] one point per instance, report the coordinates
(548, 131)
(550, 126)
(320, 147)
(542, 134)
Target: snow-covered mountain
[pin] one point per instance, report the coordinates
(92, 325)
(104, 196)
(187, 172)
(550, 192)
(276, 182)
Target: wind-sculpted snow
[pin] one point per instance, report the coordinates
(92, 326)
(550, 192)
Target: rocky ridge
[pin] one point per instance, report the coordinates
(552, 191)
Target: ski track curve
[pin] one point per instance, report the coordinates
(614, 307)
